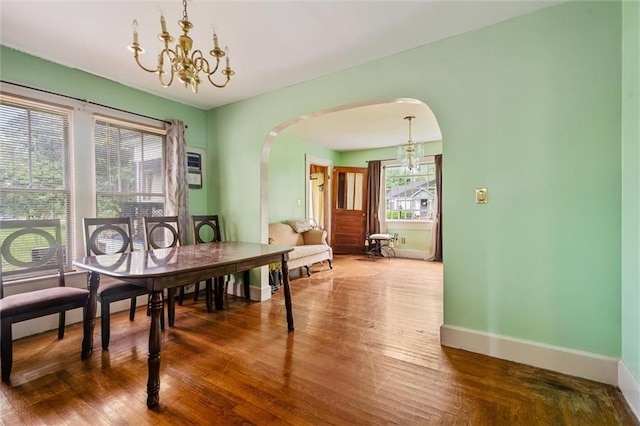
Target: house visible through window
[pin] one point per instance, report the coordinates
(35, 167)
(409, 196)
(130, 178)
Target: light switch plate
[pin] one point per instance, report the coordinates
(481, 195)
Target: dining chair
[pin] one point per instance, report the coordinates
(32, 248)
(163, 232)
(109, 236)
(206, 229)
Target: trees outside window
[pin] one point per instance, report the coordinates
(35, 166)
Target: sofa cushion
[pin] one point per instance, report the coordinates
(314, 236)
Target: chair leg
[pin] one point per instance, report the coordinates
(196, 291)
(308, 270)
(61, 321)
(132, 309)
(105, 324)
(6, 350)
(208, 294)
(330, 264)
(180, 295)
(171, 307)
(218, 283)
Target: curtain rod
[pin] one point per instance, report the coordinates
(86, 101)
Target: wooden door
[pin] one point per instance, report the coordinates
(349, 209)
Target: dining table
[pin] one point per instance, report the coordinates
(166, 268)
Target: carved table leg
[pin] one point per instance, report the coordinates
(287, 291)
(93, 281)
(153, 383)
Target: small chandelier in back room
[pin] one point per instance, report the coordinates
(181, 60)
(410, 154)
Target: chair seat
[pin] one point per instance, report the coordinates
(40, 300)
(112, 287)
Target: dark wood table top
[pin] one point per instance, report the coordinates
(183, 264)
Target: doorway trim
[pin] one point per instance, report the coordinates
(324, 162)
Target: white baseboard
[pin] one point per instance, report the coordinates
(568, 361)
(411, 254)
(630, 387)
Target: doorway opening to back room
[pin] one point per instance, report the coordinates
(302, 155)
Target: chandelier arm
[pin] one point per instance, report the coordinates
(219, 86)
(200, 63)
(137, 58)
(160, 69)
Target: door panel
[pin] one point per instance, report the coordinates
(348, 209)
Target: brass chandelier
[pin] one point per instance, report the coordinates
(409, 154)
(187, 64)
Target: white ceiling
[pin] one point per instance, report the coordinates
(273, 44)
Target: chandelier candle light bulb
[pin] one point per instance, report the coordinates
(134, 25)
(182, 61)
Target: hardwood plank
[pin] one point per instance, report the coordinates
(365, 351)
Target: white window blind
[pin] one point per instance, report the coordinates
(130, 176)
(35, 167)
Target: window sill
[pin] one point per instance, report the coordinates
(407, 224)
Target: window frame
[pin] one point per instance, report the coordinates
(144, 130)
(401, 223)
(81, 154)
(31, 104)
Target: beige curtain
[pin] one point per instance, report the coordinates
(317, 196)
(175, 163)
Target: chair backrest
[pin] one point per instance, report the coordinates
(161, 232)
(107, 235)
(29, 248)
(206, 229)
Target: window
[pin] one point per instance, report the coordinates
(35, 167)
(39, 159)
(129, 168)
(409, 196)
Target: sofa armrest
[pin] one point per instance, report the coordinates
(315, 236)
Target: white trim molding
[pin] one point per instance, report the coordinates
(563, 360)
(630, 387)
(411, 254)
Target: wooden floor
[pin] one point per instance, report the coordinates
(365, 350)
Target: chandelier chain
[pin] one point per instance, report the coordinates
(184, 10)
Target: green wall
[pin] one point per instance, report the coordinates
(288, 176)
(631, 187)
(28, 70)
(529, 108)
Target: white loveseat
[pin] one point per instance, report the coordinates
(309, 246)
